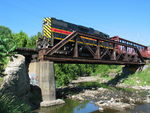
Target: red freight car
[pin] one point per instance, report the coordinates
(146, 53)
(144, 50)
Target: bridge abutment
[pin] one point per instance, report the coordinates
(43, 72)
(130, 69)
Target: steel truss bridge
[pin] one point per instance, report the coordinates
(94, 54)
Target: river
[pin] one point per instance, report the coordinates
(72, 106)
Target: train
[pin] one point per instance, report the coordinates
(55, 30)
(144, 50)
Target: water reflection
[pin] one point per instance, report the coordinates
(85, 108)
(144, 108)
(72, 106)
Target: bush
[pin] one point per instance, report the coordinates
(67, 72)
(104, 70)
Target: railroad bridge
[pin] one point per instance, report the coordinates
(41, 60)
(127, 54)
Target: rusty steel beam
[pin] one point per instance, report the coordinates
(118, 56)
(113, 57)
(104, 53)
(90, 61)
(75, 50)
(139, 54)
(26, 51)
(126, 55)
(61, 43)
(97, 52)
(89, 48)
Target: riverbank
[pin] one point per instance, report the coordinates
(121, 97)
(114, 98)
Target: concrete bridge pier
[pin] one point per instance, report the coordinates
(44, 70)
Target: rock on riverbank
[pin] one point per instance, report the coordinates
(17, 82)
(118, 99)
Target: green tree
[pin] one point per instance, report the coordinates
(7, 46)
(32, 41)
(65, 73)
(21, 39)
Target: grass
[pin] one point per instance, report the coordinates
(139, 78)
(136, 79)
(1, 80)
(102, 85)
(11, 104)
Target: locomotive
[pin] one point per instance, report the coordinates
(55, 30)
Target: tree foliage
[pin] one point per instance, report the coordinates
(7, 46)
(21, 39)
(32, 40)
(10, 41)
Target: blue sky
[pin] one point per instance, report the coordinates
(129, 19)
